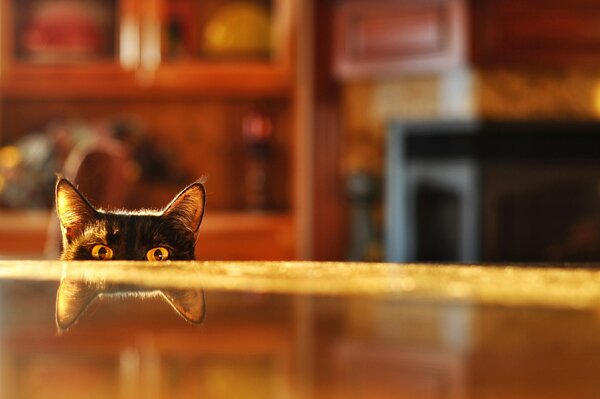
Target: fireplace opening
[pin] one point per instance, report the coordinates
(493, 191)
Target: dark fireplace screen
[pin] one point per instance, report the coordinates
(493, 191)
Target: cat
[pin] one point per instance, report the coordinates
(89, 233)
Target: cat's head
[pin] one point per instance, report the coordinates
(89, 233)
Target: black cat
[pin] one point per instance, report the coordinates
(95, 234)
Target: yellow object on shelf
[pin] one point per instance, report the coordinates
(238, 29)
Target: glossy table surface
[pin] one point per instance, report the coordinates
(570, 286)
(298, 330)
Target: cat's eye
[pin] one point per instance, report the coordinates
(158, 253)
(102, 252)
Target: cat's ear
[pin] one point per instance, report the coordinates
(188, 303)
(72, 299)
(187, 208)
(74, 211)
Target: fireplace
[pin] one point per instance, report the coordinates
(493, 191)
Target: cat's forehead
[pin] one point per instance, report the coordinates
(126, 213)
(122, 221)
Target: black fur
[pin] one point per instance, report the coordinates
(129, 234)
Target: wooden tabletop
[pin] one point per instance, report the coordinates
(557, 287)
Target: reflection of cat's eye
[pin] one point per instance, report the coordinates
(102, 252)
(158, 253)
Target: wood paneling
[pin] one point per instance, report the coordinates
(380, 38)
(330, 205)
(537, 32)
(205, 135)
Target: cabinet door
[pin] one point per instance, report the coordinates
(536, 32)
(64, 47)
(389, 37)
(219, 46)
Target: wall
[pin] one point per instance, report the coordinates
(488, 94)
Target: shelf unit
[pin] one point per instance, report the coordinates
(194, 103)
(137, 63)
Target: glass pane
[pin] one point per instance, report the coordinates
(64, 31)
(217, 30)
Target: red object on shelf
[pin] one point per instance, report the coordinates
(61, 28)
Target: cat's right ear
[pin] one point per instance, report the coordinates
(187, 208)
(74, 211)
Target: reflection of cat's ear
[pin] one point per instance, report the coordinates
(74, 211)
(188, 303)
(187, 208)
(72, 298)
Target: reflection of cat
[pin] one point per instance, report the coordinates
(94, 234)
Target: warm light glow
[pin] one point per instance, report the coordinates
(151, 47)
(597, 99)
(501, 285)
(10, 157)
(129, 43)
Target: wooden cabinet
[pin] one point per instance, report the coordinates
(387, 37)
(153, 48)
(223, 52)
(540, 33)
(189, 74)
(381, 38)
(39, 54)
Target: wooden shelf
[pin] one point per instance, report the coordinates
(186, 99)
(112, 77)
(240, 80)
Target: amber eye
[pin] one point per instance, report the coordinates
(158, 253)
(102, 252)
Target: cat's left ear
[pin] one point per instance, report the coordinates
(187, 208)
(74, 210)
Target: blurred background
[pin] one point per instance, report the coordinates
(371, 130)
(434, 130)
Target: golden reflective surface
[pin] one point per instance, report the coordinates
(485, 284)
(74, 296)
(297, 330)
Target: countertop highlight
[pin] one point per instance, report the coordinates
(507, 285)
